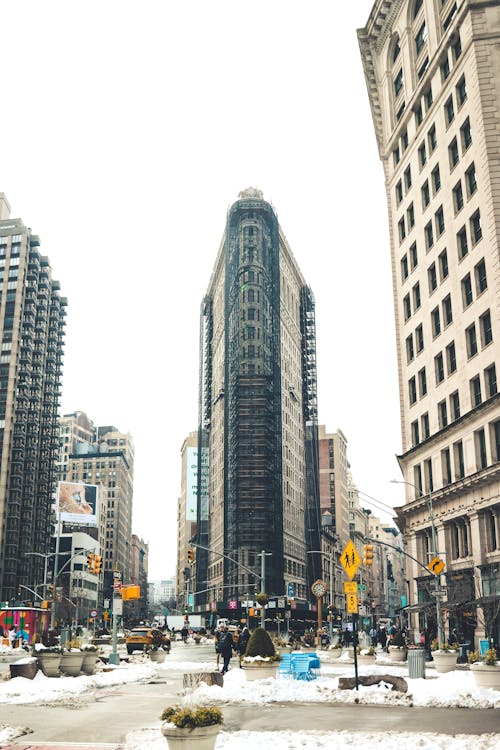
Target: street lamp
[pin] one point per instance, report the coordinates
(437, 584)
(322, 552)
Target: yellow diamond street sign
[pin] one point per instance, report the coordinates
(436, 565)
(350, 559)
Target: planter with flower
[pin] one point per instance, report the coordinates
(193, 727)
(444, 658)
(72, 659)
(260, 659)
(486, 669)
(366, 655)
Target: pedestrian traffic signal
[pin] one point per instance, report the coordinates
(191, 555)
(97, 564)
(90, 561)
(368, 554)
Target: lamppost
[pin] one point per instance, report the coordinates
(437, 584)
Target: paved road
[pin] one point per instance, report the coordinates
(107, 715)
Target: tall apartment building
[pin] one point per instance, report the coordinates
(32, 320)
(103, 456)
(138, 608)
(186, 517)
(432, 70)
(257, 458)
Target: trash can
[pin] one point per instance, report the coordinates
(416, 663)
(463, 651)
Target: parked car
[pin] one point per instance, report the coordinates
(143, 638)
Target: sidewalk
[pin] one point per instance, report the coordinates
(62, 746)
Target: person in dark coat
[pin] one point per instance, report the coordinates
(226, 647)
(243, 641)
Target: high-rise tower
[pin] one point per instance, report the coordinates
(32, 320)
(432, 69)
(258, 484)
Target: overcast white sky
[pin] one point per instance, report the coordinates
(127, 130)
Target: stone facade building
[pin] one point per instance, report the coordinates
(432, 69)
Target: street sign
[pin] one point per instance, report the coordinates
(232, 604)
(117, 575)
(117, 585)
(93, 613)
(436, 565)
(350, 559)
(350, 587)
(362, 587)
(352, 603)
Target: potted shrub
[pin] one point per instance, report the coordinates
(90, 657)
(486, 669)
(71, 661)
(49, 660)
(366, 655)
(309, 640)
(444, 658)
(196, 727)
(260, 659)
(157, 652)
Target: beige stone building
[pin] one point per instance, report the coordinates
(186, 518)
(432, 69)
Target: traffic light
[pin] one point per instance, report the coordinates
(191, 555)
(97, 564)
(368, 554)
(90, 561)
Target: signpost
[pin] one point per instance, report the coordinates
(350, 561)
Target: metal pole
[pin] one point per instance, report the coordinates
(54, 581)
(114, 657)
(332, 606)
(263, 588)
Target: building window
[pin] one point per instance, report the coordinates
(410, 351)
(480, 446)
(458, 197)
(461, 91)
(471, 340)
(449, 111)
(480, 275)
(490, 381)
(471, 182)
(451, 358)
(455, 405)
(453, 153)
(420, 38)
(422, 382)
(435, 322)
(431, 139)
(466, 135)
(416, 296)
(401, 229)
(443, 265)
(404, 140)
(425, 426)
(429, 484)
(486, 332)
(462, 244)
(457, 49)
(439, 368)
(412, 390)
(407, 307)
(429, 235)
(460, 536)
(442, 415)
(439, 219)
(426, 194)
(423, 68)
(428, 98)
(432, 277)
(475, 227)
(419, 115)
(445, 69)
(475, 391)
(466, 290)
(436, 179)
(398, 82)
(399, 192)
(446, 466)
(404, 268)
(419, 338)
(407, 178)
(417, 478)
(447, 311)
(422, 154)
(396, 156)
(495, 439)
(410, 216)
(415, 433)
(451, 15)
(413, 256)
(458, 454)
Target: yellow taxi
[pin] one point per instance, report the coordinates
(143, 638)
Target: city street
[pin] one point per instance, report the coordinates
(106, 716)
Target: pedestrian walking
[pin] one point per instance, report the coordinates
(226, 647)
(12, 636)
(243, 642)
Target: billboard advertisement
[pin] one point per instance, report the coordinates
(77, 503)
(191, 484)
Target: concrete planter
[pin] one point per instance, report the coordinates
(198, 738)
(486, 675)
(365, 659)
(24, 668)
(49, 664)
(71, 663)
(444, 661)
(397, 653)
(89, 661)
(158, 656)
(260, 671)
